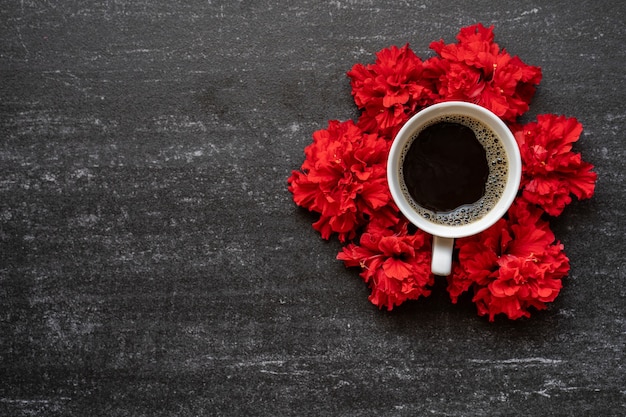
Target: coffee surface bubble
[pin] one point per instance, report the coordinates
(494, 186)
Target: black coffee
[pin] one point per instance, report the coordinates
(445, 167)
(454, 170)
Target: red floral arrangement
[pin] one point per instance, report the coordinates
(512, 267)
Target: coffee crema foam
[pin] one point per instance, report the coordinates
(496, 180)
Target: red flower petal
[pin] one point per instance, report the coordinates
(475, 69)
(395, 268)
(551, 171)
(343, 178)
(513, 266)
(391, 89)
(393, 262)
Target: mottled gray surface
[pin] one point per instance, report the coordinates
(153, 263)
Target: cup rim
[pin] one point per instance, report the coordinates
(513, 176)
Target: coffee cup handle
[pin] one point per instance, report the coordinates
(442, 255)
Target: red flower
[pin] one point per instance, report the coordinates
(512, 266)
(475, 69)
(551, 171)
(394, 263)
(343, 178)
(391, 90)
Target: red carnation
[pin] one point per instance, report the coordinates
(390, 90)
(394, 263)
(343, 178)
(551, 171)
(512, 266)
(475, 69)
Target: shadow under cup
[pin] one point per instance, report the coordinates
(501, 186)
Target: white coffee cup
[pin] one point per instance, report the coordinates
(445, 233)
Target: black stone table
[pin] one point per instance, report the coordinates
(152, 262)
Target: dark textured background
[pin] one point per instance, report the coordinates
(153, 263)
